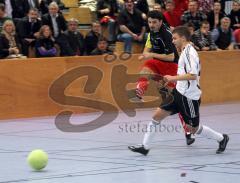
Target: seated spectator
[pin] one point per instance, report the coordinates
(193, 15)
(215, 15)
(28, 29)
(102, 47)
(191, 27)
(45, 44)
(106, 12)
(74, 39)
(158, 7)
(9, 44)
(3, 18)
(132, 27)
(58, 25)
(235, 15)
(223, 35)
(171, 16)
(202, 38)
(92, 37)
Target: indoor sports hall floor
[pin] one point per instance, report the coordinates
(102, 155)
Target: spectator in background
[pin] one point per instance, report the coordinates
(3, 18)
(16, 8)
(193, 15)
(92, 37)
(106, 13)
(9, 44)
(57, 24)
(171, 16)
(158, 7)
(202, 38)
(132, 27)
(180, 6)
(44, 5)
(33, 4)
(74, 39)
(142, 5)
(223, 35)
(45, 44)
(215, 15)
(206, 5)
(102, 47)
(226, 6)
(235, 15)
(28, 30)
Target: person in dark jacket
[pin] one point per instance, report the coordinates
(16, 8)
(74, 39)
(28, 30)
(235, 15)
(102, 47)
(92, 37)
(9, 44)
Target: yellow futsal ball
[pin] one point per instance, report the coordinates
(37, 159)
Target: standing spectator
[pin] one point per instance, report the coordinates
(102, 47)
(132, 27)
(193, 15)
(45, 44)
(74, 39)
(3, 18)
(223, 35)
(57, 23)
(28, 29)
(9, 43)
(92, 37)
(215, 15)
(16, 8)
(202, 38)
(172, 17)
(226, 6)
(235, 15)
(33, 4)
(106, 13)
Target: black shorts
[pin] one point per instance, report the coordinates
(178, 103)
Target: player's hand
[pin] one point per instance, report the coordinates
(168, 78)
(147, 55)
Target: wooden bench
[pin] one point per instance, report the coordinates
(136, 47)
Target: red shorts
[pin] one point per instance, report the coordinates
(162, 68)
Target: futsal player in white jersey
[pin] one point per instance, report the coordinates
(185, 97)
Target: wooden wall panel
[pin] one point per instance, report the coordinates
(24, 83)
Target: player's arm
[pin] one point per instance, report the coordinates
(192, 71)
(187, 76)
(147, 53)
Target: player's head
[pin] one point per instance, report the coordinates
(181, 35)
(155, 20)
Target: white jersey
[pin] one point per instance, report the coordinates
(189, 64)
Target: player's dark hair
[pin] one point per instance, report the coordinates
(154, 14)
(182, 31)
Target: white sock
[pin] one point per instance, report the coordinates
(209, 133)
(149, 135)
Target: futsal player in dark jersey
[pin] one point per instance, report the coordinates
(161, 59)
